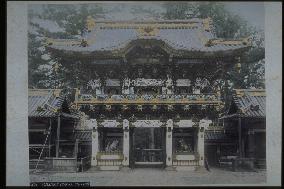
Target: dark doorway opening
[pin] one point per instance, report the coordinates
(148, 147)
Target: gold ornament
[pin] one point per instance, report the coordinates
(90, 23)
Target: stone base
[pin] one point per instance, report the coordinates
(125, 169)
(185, 168)
(109, 168)
(201, 169)
(93, 169)
(170, 168)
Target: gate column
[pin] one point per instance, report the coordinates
(125, 142)
(95, 142)
(203, 124)
(169, 142)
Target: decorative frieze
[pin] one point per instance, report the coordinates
(109, 123)
(147, 123)
(183, 82)
(141, 82)
(113, 82)
(184, 123)
(93, 84)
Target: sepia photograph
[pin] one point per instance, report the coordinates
(146, 93)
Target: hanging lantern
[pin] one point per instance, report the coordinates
(186, 108)
(155, 107)
(139, 107)
(56, 67)
(238, 65)
(177, 117)
(108, 107)
(124, 107)
(170, 107)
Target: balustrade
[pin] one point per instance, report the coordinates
(185, 98)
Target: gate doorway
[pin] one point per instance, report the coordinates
(148, 147)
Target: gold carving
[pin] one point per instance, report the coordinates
(207, 24)
(60, 42)
(250, 92)
(147, 31)
(90, 23)
(244, 41)
(129, 25)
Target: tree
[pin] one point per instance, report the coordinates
(71, 20)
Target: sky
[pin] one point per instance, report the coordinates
(253, 12)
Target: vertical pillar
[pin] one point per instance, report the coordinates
(125, 142)
(76, 148)
(58, 135)
(203, 124)
(251, 144)
(240, 137)
(95, 142)
(169, 143)
(49, 138)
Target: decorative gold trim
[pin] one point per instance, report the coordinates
(128, 25)
(207, 24)
(57, 92)
(62, 42)
(251, 92)
(203, 38)
(90, 23)
(244, 41)
(147, 31)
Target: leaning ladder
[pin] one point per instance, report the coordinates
(43, 147)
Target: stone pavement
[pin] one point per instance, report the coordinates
(154, 177)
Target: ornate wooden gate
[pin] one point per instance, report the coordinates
(148, 147)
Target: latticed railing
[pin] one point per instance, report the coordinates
(110, 153)
(160, 99)
(105, 158)
(185, 163)
(109, 162)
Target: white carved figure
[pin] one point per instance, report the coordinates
(93, 84)
(198, 82)
(204, 83)
(183, 146)
(112, 146)
(126, 82)
(169, 84)
(205, 123)
(126, 85)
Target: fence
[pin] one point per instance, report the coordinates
(67, 164)
(185, 163)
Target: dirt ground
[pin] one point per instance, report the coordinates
(154, 177)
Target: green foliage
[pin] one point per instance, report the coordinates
(73, 21)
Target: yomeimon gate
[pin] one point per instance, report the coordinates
(150, 88)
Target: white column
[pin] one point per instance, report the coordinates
(95, 141)
(203, 124)
(125, 142)
(169, 143)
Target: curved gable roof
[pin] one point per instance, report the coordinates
(194, 35)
